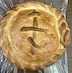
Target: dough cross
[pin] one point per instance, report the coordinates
(35, 24)
(34, 29)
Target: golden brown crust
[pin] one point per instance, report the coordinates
(33, 35)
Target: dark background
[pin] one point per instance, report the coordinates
(69, 20)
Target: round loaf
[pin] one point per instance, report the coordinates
(33, 35)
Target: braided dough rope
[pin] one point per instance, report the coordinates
(33, 35)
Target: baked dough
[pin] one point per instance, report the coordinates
(33, 35)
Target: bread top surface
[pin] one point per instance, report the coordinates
(33, 35)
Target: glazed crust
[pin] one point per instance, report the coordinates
(33, 35)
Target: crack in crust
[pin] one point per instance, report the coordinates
(33, 29)
(34, 13)
(33, 42)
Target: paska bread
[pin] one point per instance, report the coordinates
(33, 35)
